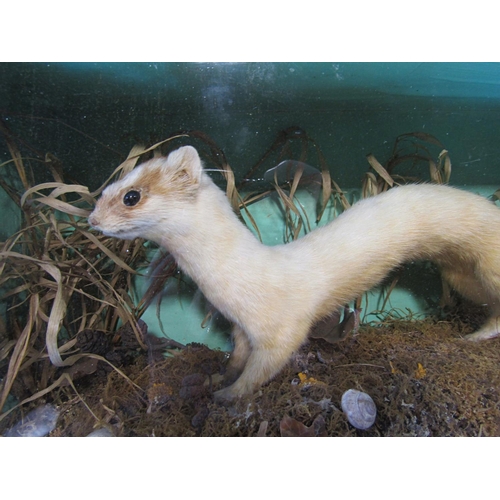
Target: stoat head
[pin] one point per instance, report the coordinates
(153, 199)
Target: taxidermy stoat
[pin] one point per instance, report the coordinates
(273, 295)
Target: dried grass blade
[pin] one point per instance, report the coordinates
(233, 195)
(59, 189)
(434, 173)
(129, 164)
(253, 197)
(380, 170)
(19, 350)
(369, 186)
(231, 191)
(341, 195)
(15, 291)
(154, 146)
(289, 205)
(296, 178)
(423, 136)
(6, 348)
(389, 291)
(243, 203)
(39, 394)
(73, 359)
(57, 313)
(65, 379)
(16, 255)
(133, 157)
(445, 157)
(162, 270)
(63, 206)
(58, 309)
(125, 166)
(326, 186)
(108, 252)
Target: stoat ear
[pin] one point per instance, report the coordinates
(186, 164)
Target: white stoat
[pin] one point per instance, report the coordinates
(273, 295)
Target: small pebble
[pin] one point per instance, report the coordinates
(38, 423)
(359, 408)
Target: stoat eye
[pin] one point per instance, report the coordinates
(131, 198)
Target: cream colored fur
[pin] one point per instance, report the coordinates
(273, 295)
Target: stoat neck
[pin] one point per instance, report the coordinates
(216, 242)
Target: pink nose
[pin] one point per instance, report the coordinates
(93, 220)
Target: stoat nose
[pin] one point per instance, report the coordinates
(93, 220)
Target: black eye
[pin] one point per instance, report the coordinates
(131, 198)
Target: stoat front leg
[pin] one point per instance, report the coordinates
(239, 356)
(481, 286)
(489, 330)
(270, 352)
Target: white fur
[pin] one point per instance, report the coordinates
(273, 295)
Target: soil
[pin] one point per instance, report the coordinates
(424, 378)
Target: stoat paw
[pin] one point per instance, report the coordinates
(482, 335)
(231, 375)
(224, 395)
(230, 393)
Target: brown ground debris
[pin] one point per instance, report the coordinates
(424, 378)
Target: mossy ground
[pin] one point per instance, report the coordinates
(425, 379)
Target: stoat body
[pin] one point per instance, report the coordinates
(273, 295)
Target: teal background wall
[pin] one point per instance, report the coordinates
(350, 109)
